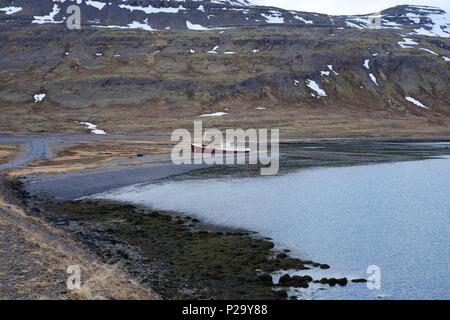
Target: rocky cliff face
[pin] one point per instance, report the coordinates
(207, 14)
(156, 14)
(307, 73)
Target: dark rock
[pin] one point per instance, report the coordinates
(285, 279)
(295, 281)
(302, 267)
(282, 255)
(324, 266)
(359, 280)
(342, 282)
(333, 281)
(299, 281)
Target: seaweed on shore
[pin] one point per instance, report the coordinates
(177, 256)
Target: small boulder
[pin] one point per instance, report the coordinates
(333, 281)
(362, 280)
(295, 281)
(342, 282)
(285, 279)
(299, 282)
(308, 278)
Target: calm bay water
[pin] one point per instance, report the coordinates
(395, 216)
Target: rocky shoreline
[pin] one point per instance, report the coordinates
(36, 257)
(177, 256)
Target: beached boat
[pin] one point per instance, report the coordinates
(210, 149)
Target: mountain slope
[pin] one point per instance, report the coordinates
(203, 14)
(314, 79)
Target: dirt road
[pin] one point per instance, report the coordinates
(34, 148)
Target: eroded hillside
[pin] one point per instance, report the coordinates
(314, 81)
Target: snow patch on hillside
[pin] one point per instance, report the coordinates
(315, 87)
(331, 68)
(303, 19)
(11, 10)
(274, 17)
(407, 43)
(50, 18)
(353, 25)
(429, 51)
(438, 25)
(214, 50)
(416, 102)
(215, 114)
(96, 4)
(92, 127)
(39, 97)
(151, 9)
(141, 25)
(197, 27)
(374, 79)
(366, 64)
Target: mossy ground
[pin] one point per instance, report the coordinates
(199, 261)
